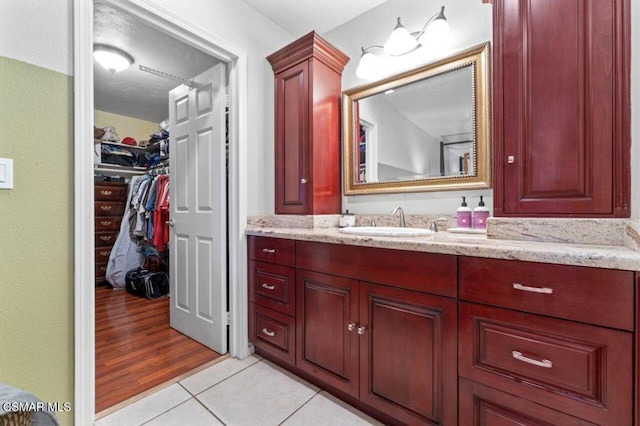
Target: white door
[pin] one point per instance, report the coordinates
(198, 243)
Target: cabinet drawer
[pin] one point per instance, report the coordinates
(272, 250)
(105, 239)
(272, 286)
(101, 270)
(102, 255)
(484, 406)
(576, 368)
(272, 332)
(109, 208)
(104, 192)
(592, 295)
(424, 272)
(107, 223)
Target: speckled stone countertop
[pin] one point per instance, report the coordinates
(592, 255)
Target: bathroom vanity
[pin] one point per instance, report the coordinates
(448, 330)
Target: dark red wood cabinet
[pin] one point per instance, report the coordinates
(307, 126)
(561, 107)
(110, 202)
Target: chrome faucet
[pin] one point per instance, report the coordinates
(398, 209)
(434, 223)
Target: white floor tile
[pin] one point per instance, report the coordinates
(216, 373)
(187, 413)
(259, 395)
(147, 408)
(326, 410)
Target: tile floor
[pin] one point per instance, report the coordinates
(234, 392)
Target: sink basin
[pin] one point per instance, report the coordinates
(386, 231)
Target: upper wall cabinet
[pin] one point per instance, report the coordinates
(308, 76)
(561, 107)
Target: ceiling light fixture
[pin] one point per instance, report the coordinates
(111, 58)
(435, 31)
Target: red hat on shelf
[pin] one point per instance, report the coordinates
(129, 141)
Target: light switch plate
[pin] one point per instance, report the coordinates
(6, 173)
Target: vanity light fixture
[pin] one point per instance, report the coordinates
(112, 58)
(401, 42)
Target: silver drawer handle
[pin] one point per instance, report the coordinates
(268, 333)
(544, 290)
(361, 330)
(268, 287)
(266, 250)
(105, 223)
(303, 181)
(351, 326)
(106, 192)
(545, 363)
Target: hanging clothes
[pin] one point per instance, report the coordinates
(124, 254)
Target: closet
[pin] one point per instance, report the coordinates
(136, 348)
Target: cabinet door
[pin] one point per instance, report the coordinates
(292, 140)
(408, 354)
(561, 70)
(327, 344)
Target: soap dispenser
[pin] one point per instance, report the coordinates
(480, 215)
(463, 215)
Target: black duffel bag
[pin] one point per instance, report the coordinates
(144, 283)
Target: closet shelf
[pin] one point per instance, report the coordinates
(152, 147)
(114, 170)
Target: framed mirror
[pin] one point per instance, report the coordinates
(427, 129)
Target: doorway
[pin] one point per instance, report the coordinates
(83, 266)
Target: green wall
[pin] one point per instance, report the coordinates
(36, 233)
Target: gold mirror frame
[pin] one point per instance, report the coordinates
(478, 58)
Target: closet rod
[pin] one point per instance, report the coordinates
(150, 70)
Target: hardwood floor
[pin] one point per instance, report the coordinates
(136, 349)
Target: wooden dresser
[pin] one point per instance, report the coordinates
(110, 200)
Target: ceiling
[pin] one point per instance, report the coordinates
(138, 94)
(135, 93)
(299, 17)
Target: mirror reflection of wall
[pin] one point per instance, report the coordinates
(410, 123)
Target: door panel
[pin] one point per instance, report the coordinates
(408, 354)
(326, 305)
(198, 209)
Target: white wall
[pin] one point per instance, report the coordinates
(38, 32)
(470, 22)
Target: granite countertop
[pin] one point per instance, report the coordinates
(592, 255)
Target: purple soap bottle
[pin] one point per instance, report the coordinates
(463, 215)
(480, 215)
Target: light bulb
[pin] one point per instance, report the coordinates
(369, 66)
(111, 58)
(400, 41)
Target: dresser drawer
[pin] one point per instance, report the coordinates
(272, 286)
(102, 254)
(105, 239)
(101, 270)
(110, 192)
(107, 223)
(484, 406)
(272, 250)
(579, 369)
(591, 295)
(109, 208)
(272, 332)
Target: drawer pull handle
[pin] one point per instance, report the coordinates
(268, 287)
(266, 250)
(106, 192)
(361, 330)
(544, 290)
(105, 208)
(268, 333)
(105, 223)
(105, 253)
(351, 326)
(545, 363)
(105, 238)
(103, 268)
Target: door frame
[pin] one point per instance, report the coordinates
(84, 268)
